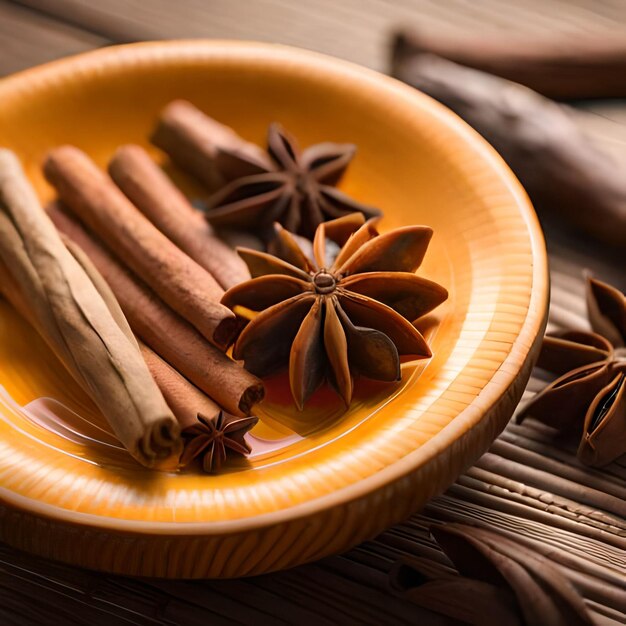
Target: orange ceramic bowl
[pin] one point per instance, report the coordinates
(319, 482)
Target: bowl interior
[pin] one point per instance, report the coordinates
(415, 161)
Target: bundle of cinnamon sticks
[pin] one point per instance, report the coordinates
(127, 288)
(53, 286)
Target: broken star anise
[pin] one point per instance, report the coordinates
(590, 394)
(500, 581)
(346, 311)
(211, 438)
(299, 192)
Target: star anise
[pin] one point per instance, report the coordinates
(589, 396)
(346, 311)
(500, 581)
(299, 192)
(211, 438)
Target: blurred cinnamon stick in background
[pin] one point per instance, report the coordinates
(564, 172)
(560, 66)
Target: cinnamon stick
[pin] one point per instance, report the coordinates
(102, 207)
(186, 401)
(184, 398)
(166, 332)
(563, 172)
(555, 66)
(57, 296)
(153, 193)
(192, 408)
(206, 149)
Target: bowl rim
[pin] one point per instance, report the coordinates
(526, 344)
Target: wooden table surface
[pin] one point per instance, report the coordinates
(509, 489)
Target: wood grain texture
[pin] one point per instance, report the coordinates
(350, 29)
(28, 38)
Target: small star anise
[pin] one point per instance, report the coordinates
(348, 310)
(589, 395)
(212, 437)
(299, 192)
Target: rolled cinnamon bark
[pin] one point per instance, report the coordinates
(555, 66)
(102, 207)
(188, 404)
(153, 193)
(163, 330)
(184, 398)
(206, 149)
(57, 296)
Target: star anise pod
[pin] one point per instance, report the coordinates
(348, 310)
(211, 438)
(500, 581)
(589, 396)
(299, 192)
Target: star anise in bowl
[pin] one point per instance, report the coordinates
(589, 396)
(346, 311)
(299, 191)
(213, 438)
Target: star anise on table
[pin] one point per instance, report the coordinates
(500, 581)
(211, 439)
(589, 396)
(299, 192)
(346, 311)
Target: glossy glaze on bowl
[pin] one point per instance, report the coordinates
(317, 483)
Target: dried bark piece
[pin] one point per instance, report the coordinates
(184, 398)
(593, 68)
(329, 321)
(563, 172)
(60, 299)
(297, 191)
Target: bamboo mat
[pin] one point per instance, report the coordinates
(528, 486)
